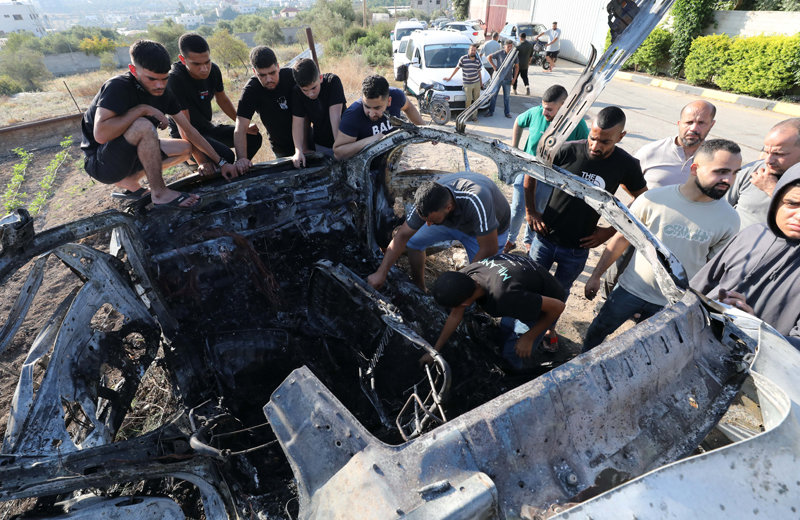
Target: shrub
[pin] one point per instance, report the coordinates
(707, 58)
(108, 61)
(336, 46)
(378, 56)
(25, 66)
(761, 65)
(652, 56)
(270, 33)
(353, 34)
(689, 18)
(9, 87)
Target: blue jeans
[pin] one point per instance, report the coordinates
(543, 192)
(619, 306)
(426, 236)
(512, 330)
(506, 98)
(570, 261)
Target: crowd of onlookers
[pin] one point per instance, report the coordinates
(734, 229)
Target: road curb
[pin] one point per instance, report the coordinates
(781, 107)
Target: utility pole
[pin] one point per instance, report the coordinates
(364, 11)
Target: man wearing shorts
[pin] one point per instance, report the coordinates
(553, 45)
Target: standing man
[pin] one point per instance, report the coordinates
(524, 53)
(536, 120)
(751, 192)
(318, 99)
(489, 48)
(470, 66)
(669, 161)
(194, 80)
(553, 45)
(269, 93)
(568, 228)
(692, 220)
(505, 286)
(759, 270)
(466, 207)
(365, 121)
(120, 131)
(497, 60)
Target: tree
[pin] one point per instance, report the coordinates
(689, 18)
(227, 14)
(229, 50)
(248, 23)
(461, 9)
(96, 46)
(167, 34)
(270, 33)
(225, 25)
(25, 66)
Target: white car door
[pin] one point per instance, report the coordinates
(415, 74)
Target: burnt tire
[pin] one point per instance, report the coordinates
(401, 74)
(440, 112)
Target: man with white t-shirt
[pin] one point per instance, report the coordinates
(692, 219)
(553, 45)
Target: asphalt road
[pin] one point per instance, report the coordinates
(652, 112)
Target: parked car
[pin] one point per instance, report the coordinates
(511, 31)
(471, 30)
(428, 57)
(402, 29)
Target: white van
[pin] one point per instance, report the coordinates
(404, 29)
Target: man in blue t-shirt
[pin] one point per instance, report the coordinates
(366, 120)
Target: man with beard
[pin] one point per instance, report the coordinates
(120, 131)
(667, 161)
(567, 228)
(759, 270)
(269, 93)
(194, 80)
(365, 121)
(751, 192)
(691, 219)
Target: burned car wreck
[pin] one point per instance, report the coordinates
(256, 306)
(297, 387)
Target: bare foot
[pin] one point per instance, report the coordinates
(172, 197)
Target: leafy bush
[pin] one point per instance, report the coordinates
(707, 58)
(336, 46)
(652, 56)
(107, 61)
(270, 33)
(25, 66)
(378, 56)
(689, 18)
(96, 46)
(353, 34)
(761, 65)
(9, 87)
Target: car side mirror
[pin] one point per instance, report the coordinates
(415, 61)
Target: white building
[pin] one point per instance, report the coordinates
(17, 16)
(190, 20)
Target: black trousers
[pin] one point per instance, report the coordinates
(523, 73)
(220, 137)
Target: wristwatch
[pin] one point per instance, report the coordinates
(222, 162)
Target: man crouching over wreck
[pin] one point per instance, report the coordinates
(516, 288)
(120, 137)
(465, 207)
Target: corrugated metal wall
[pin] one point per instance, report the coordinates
(582, 22)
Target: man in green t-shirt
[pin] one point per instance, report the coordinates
(536, 120)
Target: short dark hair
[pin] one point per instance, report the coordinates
(554, 94)
(610, 117)
(495, 35)
(151, 56)
(192, 42)
(305, 72)
(375, 86)
(452, 289)
(262, 57)
(711, 146)
(431, 196)
(522, 36)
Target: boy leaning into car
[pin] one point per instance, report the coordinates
(470, 65)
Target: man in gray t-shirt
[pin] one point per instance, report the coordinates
(751, 192)
(464, 207)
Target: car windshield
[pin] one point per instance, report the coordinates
(530, 29)
(444, 55)
(399, 33)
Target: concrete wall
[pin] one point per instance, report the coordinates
(75, 62)
(753, 23)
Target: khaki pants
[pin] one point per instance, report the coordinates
(473, 92)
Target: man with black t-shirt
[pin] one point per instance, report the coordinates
(568, 228)
(365, 121)
(318, 99)
(269, 93)
(120, 137)
(194, 80)
(505, 286)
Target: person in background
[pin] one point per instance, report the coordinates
(470, 65)
(524, 53)
(553, 45)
